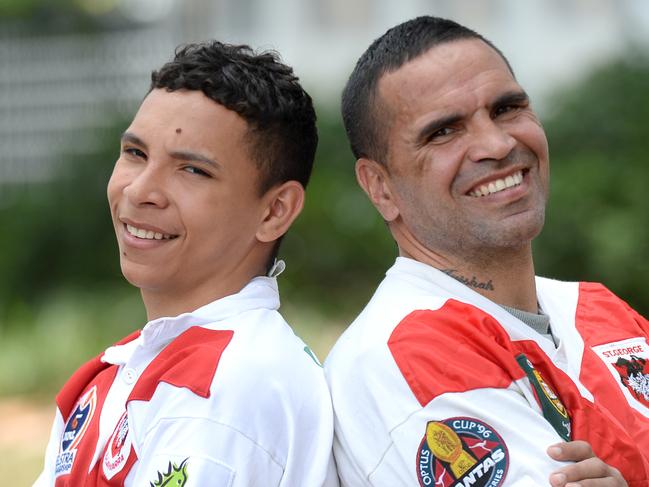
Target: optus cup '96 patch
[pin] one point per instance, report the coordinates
(461, 452)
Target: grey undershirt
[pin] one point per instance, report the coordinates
(538, 322)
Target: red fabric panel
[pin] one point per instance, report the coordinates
(460, 347)
(453, 349)
(591, 423)
(66, 399)
(598, 308)
(188, 361)
(602, 318)
(86, 448)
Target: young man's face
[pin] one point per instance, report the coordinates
(468, 158)
(184, 195)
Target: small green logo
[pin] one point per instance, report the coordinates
(310, 353)
(175, 476)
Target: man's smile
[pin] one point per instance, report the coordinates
(148, 234)
(497, 185)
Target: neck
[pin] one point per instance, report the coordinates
(504, 276)
(185, 299)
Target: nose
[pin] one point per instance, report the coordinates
(490, 141)
(147, 187)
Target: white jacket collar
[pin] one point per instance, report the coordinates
(259, 293)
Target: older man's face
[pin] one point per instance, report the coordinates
(468, 158)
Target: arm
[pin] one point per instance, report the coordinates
(270, 426)
(195, 452)
(384, 438)
(457, 371)
(47, 475)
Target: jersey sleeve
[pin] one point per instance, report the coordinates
(446, 404)
(47, 475)
(271, 426)
(193, 452)
(461, 403)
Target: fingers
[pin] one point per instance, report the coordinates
(606, 482)
(573, 451)
(582, 472)
(587, 469)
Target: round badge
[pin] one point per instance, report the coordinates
(461, 452)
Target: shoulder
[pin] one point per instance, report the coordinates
(393, 301)
(584, 296)
(447, 346)
(265, 345)
(266, 393)
(422, 346)
(255, 368)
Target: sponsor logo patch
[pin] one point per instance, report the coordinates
(628, 361)
(75, 428)
(461, 452)
(553, 409)
(118, 448)
(176, 475)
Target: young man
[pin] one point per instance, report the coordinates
(464, 369)
(216, 389)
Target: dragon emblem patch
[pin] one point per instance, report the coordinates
(634, 374)
(628, 361)
(175, 476)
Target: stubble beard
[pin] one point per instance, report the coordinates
(483, 243)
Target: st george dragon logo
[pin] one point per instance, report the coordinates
(634, 374)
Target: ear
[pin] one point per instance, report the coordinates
(283, 204)
(373, 177)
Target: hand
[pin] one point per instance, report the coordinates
(587, 469)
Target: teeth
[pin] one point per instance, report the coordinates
(498, 185)
(147, 234)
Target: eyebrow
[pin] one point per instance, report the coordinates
(189, 156)
(511, 97)
(133, 139)
(182, 155)
(436, 124)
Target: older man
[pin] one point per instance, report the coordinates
(464, 368)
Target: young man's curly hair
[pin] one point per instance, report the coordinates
(263, 91)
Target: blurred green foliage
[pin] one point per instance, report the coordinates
(58, 235)
(27, 18)
(597, 225)
(26, 8)
(339, 248)
(58, 252)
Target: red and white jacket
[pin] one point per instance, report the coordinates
(224, 396)
(433, 384)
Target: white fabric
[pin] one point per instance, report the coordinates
(267, 422)
(379, 423)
